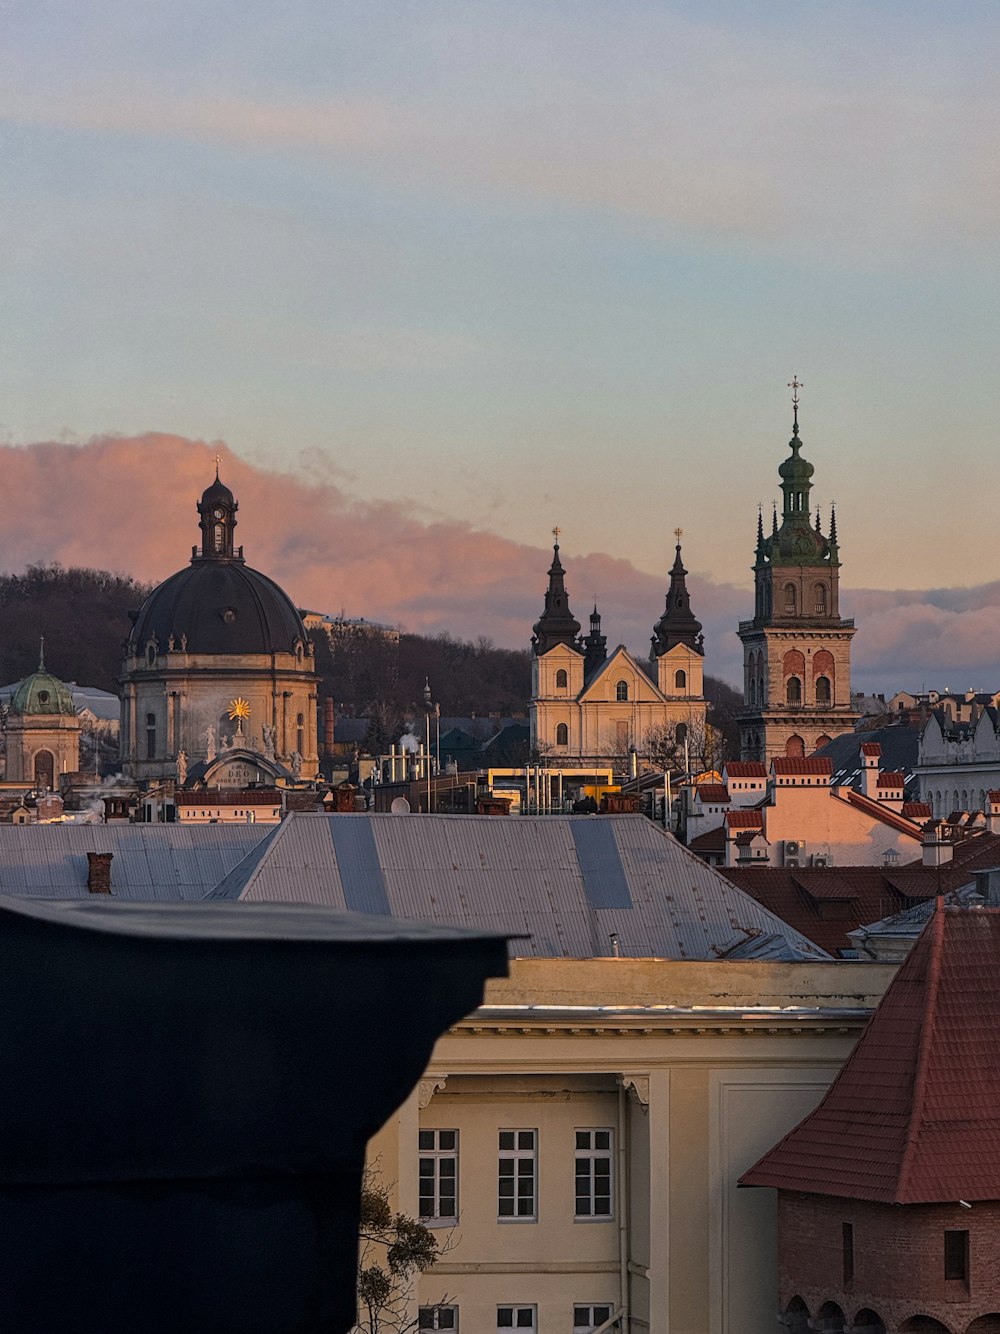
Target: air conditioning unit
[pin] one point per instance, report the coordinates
(793, 852)
(819, 859)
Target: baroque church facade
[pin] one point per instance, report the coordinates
(592, 708)
(797, 647)
(218, 679)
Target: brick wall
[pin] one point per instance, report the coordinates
(898, 1259)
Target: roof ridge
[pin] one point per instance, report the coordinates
(923, 1054)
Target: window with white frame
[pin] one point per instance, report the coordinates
(517, 1177)
(438, 1187)
(588, 1318)
(593, 1173)
(516, 1317)
(437, 1317)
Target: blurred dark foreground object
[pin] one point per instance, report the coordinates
(186, 1091)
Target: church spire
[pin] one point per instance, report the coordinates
(595, 646)
(677, 625)
(556, 625)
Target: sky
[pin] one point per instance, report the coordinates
(465, 271)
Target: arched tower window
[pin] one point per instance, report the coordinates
(793, 690)
(562, 735)
(753, 693)
(150, 736)
(795, 747)
(562, 680)
(621, 691)
(819, 599)
(45, 769)
(791, 600)
(823, 666)
(823, 690)
(680, 680)
(300, 734)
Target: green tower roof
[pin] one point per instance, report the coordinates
(42, 693)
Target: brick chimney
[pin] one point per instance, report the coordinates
(99, 872)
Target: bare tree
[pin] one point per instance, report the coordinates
(393, 1249)
(664, 746)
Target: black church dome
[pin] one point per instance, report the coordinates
(217, 606)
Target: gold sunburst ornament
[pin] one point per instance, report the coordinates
(239, 709)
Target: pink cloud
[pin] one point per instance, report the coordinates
(128, 504)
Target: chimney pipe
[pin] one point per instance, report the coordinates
(99, 872)
(328, 726)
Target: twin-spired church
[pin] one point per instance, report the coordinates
(589, 708)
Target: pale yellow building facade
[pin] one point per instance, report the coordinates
(687, 1071)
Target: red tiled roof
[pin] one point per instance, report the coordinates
(916, 810)
(744, 819)
(891, 779)
(870, 748)
(745, 839)
(802, 764)
(993, 795)
(913, 1117)
(713, 792)
(713, 840)
(745, 769)
(797, 896)
(879, 810)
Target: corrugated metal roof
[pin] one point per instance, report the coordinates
(570, 882)
(150, 861)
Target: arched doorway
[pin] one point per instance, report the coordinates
(986, 1324)
(45, 769)
(923, 1324)
(830, 1319)
(796, 1319)
(870, 1321)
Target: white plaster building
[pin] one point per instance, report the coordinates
(958, 763)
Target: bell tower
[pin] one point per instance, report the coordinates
(797, 648)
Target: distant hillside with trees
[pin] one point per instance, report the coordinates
(83, 615)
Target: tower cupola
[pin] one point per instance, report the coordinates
(217, 517)
(595, 646)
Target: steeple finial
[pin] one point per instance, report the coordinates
(41, 654)
(817, 519)
(774, 518)
(760, 526)
(218, 460)
(557, 533)
(795, 384)
(833, 525)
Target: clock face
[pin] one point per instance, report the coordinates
(217, 514)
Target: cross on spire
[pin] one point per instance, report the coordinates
(678, 533)
(218, 461)
(556, 533)
(795, 384)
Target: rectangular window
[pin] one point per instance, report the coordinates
(438, 1169)
(517, 1176)
(516, 1317)
(593, 1173)
(848, 1237)
(956, 1255)
(437, 1317)
(588, 1318)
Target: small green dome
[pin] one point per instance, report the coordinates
(795, 468)
(42, 693)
